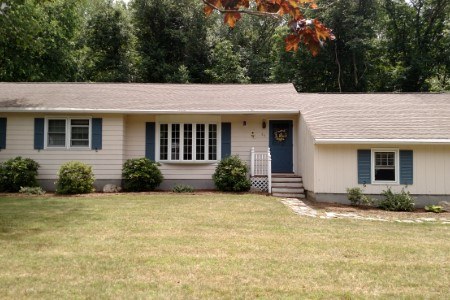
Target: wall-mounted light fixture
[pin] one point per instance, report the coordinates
(264, 124)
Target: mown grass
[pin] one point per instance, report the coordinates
(210, 246)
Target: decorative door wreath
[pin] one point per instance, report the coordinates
(280, 135)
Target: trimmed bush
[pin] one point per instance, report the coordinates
(356, 197)
(434, 208)
(75, 177)
(231, 175)
(397, 202)
(17, 172)
(32, 190)
(141, 174)
(182, 188)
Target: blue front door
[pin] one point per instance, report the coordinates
(281, 143)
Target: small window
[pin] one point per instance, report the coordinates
(79, 133)
(385, 165)
(56, 136)
(68, 133)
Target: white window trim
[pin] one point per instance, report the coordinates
(194, 143)
(68, 133)
(397, 165)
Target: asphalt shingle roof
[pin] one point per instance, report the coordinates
(329, 117)
(148, 97)
(377, 116)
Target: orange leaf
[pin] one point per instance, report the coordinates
(292, 41)
(231, 18)
(322, 32)
(207, 10)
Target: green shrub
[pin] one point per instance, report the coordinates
(17, 172)
(397, 202)
(356, 197)
(182, 188)
(32, 190)
(231, 175)
(141, 174)
(434, 208)
(75, 177)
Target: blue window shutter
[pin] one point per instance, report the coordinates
(150, 140)
(364, 169)
(2, 133)
(406, 167)
(39, 133)
(97, 125)
(226, 139)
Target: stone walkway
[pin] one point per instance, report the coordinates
(300, 208)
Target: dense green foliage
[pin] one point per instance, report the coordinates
(183, 188)
(141, 174)
(18, 172)
(381, 45)
(356, 197)
(75, 177)
(32, 190)
(231, 175)
(397, 201)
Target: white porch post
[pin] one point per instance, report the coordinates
(252, 162)
(269, 170)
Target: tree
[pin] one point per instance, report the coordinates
(310, 32)
(109, 42)
(225, 65)
(169, 37)
(416, 32)
(345, 65)
(37, 39)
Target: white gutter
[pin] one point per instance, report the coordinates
(381, 141)
(144, 111)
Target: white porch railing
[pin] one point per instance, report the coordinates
(261, 166)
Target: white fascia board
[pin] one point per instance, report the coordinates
(382, 141)
(143, 111)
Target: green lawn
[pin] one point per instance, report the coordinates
(210, 246)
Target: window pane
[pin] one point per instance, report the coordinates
(385, 174)
(200, 139)
(384, 166)
(212, 139)
(79, 133)
(187, 148)
(175, 155)
(80, 143)
(57, 126)
(79, 122)
(57, 139)
(164, 141)
(56, 136)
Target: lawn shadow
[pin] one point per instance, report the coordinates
(22, 217)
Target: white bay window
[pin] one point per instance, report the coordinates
(188, 142)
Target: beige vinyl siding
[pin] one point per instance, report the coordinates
(243, 138)
(106, 163)
(135, 145)
(306, 155)
(336, 169)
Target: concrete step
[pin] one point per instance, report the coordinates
(289, 195)
(287, 184)
(287, 179)
(287, 190)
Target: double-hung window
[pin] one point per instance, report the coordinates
(188, 142)
(68, 133)
(385, 165)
